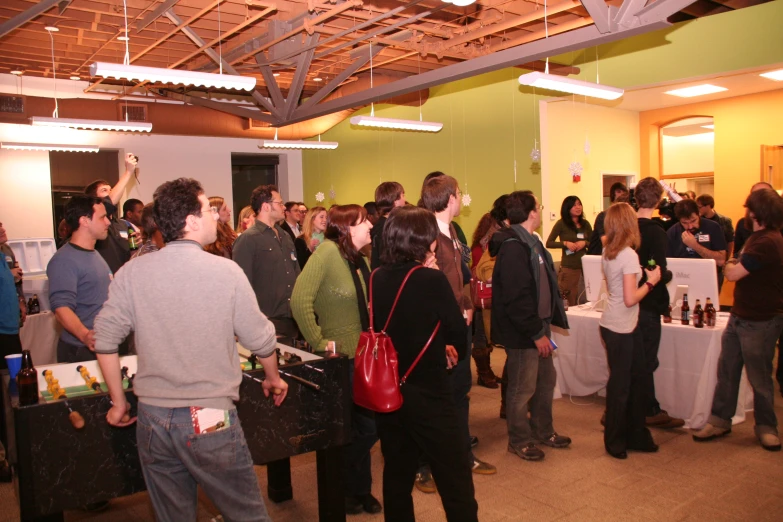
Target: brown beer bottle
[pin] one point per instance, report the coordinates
(27, 381)
(709, 314)
(698, 315)
(686, 310)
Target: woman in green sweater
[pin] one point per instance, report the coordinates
(333, 288)
(573, 232)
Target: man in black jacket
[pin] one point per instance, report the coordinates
(655, 304)
(618, 192)
(525, 301)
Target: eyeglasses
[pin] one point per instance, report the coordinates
(214, 210)
(281, 202)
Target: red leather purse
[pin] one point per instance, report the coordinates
(376, 382)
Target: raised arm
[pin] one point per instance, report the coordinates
(117, 190)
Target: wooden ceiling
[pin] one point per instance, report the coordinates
(280, 37)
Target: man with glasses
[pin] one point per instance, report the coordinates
(293, 220)
(706, 204)
(266, 254)
(696, 237)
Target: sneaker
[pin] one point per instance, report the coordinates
(664, 421)
(483, 468)
(424, 482)
(556, 441)
(769, 441)
(353, 505)
(370, 504)
(529, 452)
(710, 432)
(473, 441)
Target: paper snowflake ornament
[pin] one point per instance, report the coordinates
(332, 194)
(466, 200)
(587, 146)
(575, 168)
(319, 197)
(535, 154)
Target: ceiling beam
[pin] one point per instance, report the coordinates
(25, 16)
(627, 12)
(229, 108)
(302, 66)
(539, 49)
(271, 85)
(154, 15)
(599, 12)
(661, 10)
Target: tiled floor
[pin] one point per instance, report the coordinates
(730, 479)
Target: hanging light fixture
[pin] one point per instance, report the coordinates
(297, 144)
(460, 3)
(544, 80)
(49, 147)
(76, 123)
(73, 123)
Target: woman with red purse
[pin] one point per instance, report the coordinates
(427, 423)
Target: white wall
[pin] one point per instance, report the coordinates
(25, 183)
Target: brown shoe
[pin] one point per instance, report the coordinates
(769, 441)
(710, 432)
(664, 421)
(488, 380)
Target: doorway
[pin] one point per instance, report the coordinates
(248, 171)
(688, 155)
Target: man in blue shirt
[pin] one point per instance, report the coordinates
(79, 279)
(696, 237)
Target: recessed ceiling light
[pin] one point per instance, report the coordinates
(275, 74)
(708, 126)
(51, 28)
(123, 38)
(318, 79)
(75, 77)
(17, 72)
(696, 90)
(774, 75)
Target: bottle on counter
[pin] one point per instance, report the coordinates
(35, 306)
(29, 305)
(27, 381)
(686, 311)
(667, 317)
(698, 315)
(565, 300)
(710, 314)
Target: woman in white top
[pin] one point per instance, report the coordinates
(625, 395)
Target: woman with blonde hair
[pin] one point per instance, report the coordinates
(313, 230)
(246, 219)
(224, 244)
(625, 392)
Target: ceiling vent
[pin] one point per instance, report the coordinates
(135, 112)
(12, 107)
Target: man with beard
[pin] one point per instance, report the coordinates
(696, 237)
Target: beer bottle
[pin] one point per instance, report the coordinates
(686, 311)
(667, 317)
(709, 314)
(565, 300)
(35, 306)
(698, 315)
(29, 305)
(27, 381)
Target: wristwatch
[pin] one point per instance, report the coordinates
(650, 286)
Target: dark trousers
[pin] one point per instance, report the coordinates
(649, 329)
(461, 382)
(357, 464)
(427, 424)
(625, 392)
(286, 329)
(70, 353)
(779, 374)
(9, 344)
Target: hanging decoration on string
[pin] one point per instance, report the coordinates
(587, 146)
(465, 195)
(332, 194)
(319, 197)
(575, 168)
(535, 154)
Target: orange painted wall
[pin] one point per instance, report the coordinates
(742, 125)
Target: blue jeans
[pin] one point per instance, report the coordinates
(175, 461)
(752, 344)
(531, 387)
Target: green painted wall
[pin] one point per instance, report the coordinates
(482, 114)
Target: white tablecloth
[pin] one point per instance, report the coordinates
(40, 334)
(684, 382)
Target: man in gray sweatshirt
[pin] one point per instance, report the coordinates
(185, 306)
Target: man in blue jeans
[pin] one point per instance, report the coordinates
(755, 324)
(525, 302)
(185, 306)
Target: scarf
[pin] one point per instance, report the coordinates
(364, 314)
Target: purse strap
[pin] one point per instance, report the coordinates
(421, 353)
(397, 298)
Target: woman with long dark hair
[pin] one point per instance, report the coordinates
(333, 287)
(427, 425)
(224, 244)
(573, 232)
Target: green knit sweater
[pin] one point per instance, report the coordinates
(325, 288)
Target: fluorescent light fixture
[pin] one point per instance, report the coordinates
(49, 147)
(696, 90)
(174, 76)
(393, 123)
(51, 29)
(774, 75)
(75, 77)
(297, 144)
(318, 79)
(708, 126)
(460, 3)
(561, 83)
(275, 74)
(17, 72)
(72, 123)
(123, 38)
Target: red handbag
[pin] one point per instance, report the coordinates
(376, 382)
(480, 292)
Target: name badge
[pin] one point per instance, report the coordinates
(580, 235)
(540, 260)
(8, 260)
(293, 256)
(124, 234)
(703, 238)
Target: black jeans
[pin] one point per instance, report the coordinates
(357, 464)
(649, 329)
(9, 344)
(625, 393)
(427, 425)
(70, 353)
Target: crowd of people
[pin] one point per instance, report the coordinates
(323, 276)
